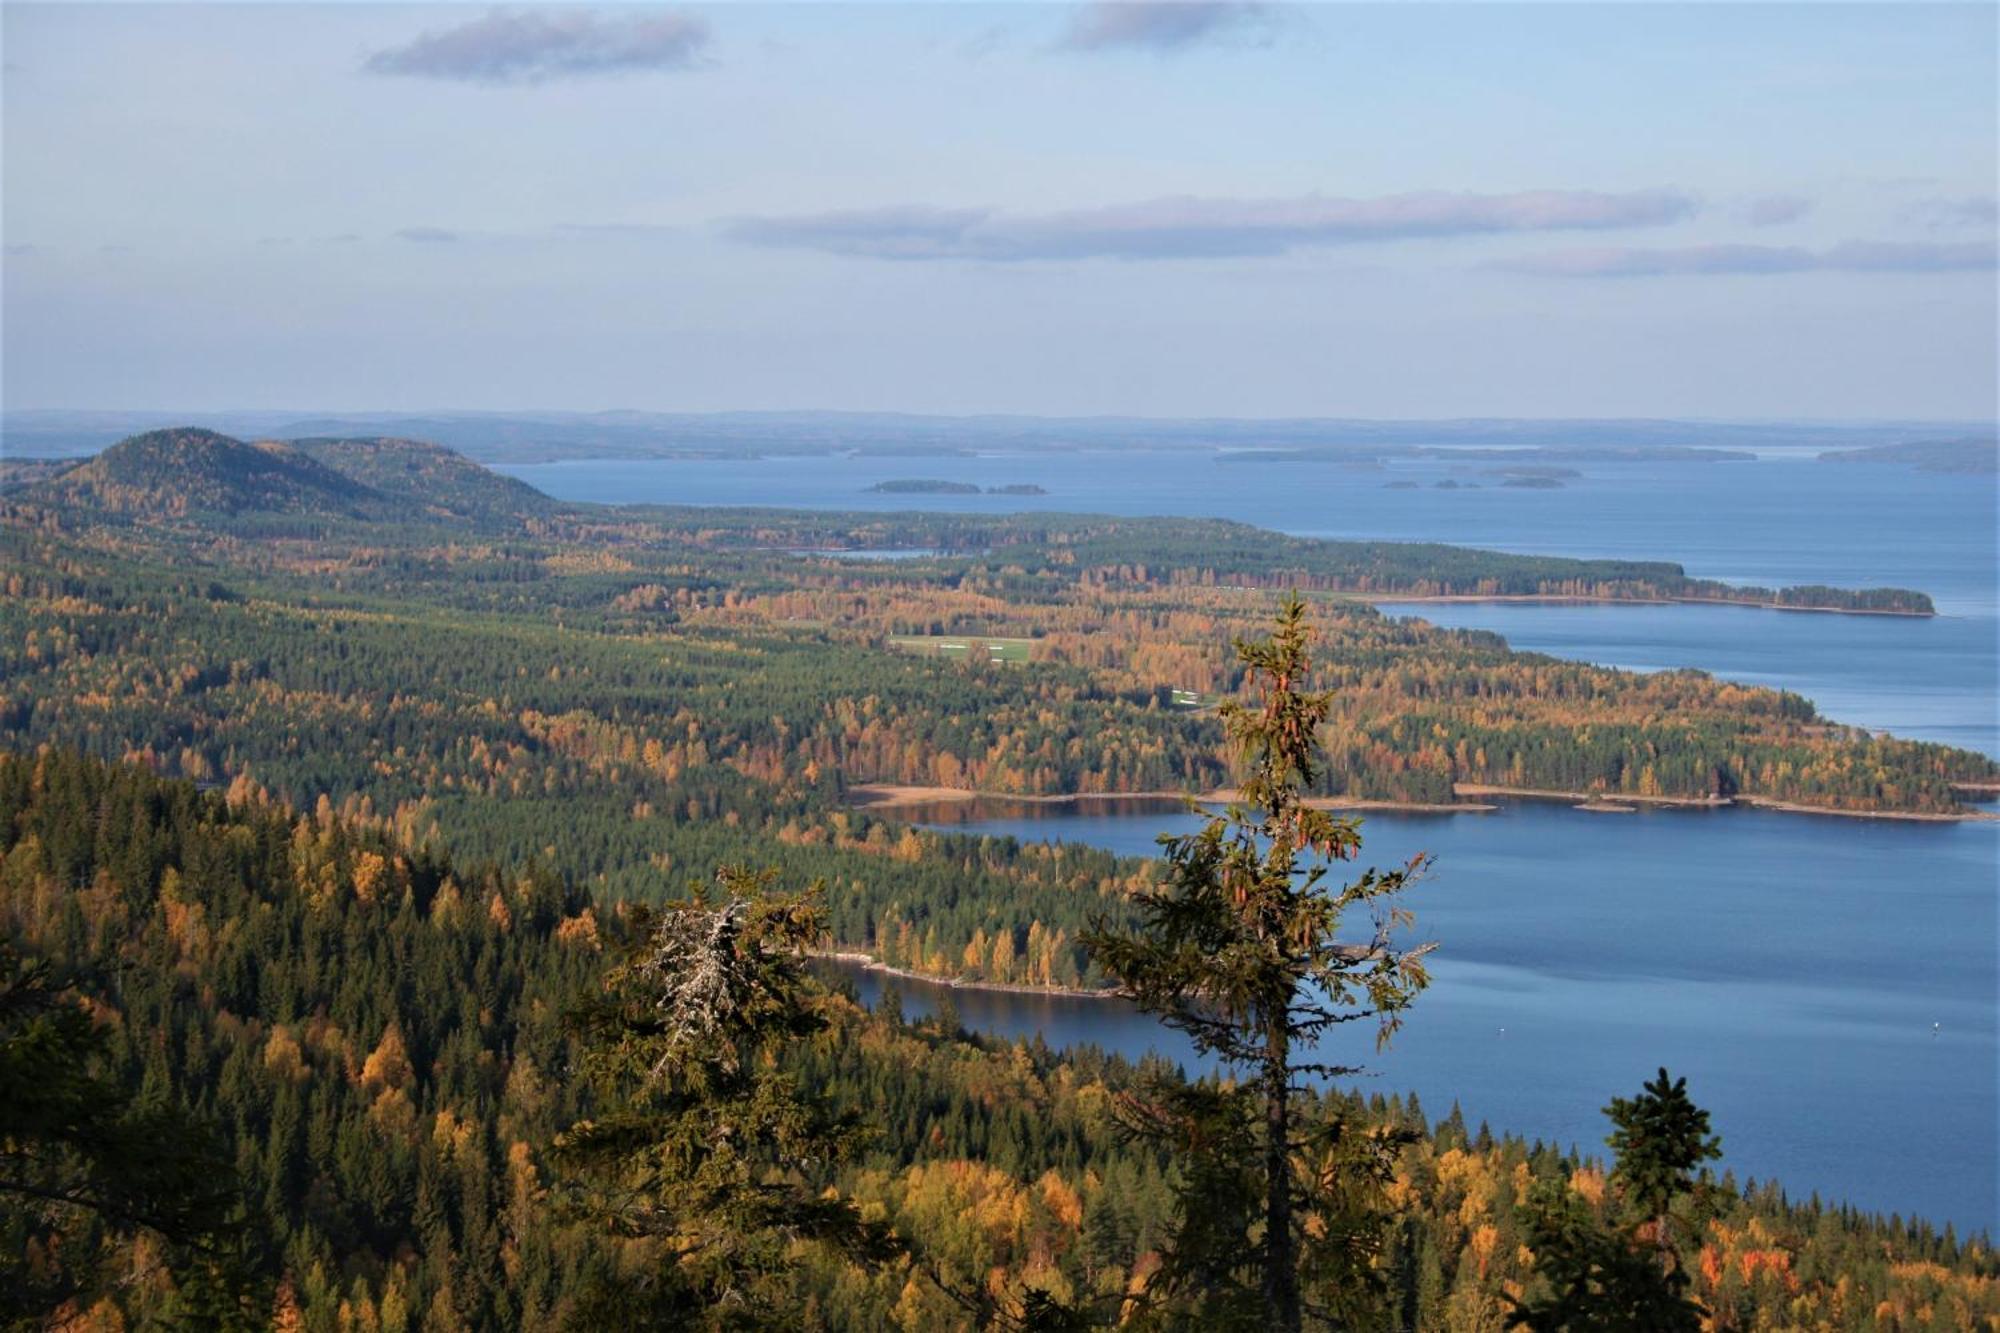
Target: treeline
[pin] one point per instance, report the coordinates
(371, 1030)
(1210, 552)
(376, 1037)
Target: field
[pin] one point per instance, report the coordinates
(958, 646)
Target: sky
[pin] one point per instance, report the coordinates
(1195, 209)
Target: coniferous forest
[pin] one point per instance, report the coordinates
(408, 909)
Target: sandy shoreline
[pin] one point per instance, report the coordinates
(886, 797)
(869, 963)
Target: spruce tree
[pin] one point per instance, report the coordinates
(1241, 949)
(702, 1150)
(1628, 1276)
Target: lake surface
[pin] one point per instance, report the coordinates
(1791, 967)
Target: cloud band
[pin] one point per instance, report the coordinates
(1193, 228)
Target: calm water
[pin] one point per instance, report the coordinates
(1791, 967)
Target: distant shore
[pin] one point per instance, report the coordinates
(1609, 801)
(1556, 599)
(886, 796)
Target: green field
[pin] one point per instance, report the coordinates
(959, 645)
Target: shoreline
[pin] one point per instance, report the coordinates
(1566, 599)
(891, 796)
(868, 962)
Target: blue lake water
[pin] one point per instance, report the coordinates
(1791, 967)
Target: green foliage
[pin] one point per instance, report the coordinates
(1593, 1279)
(370, 1033)
(246, 965)
(1613, 1277)
(1661, 1140)
(1241, 950)
(700, 1144)
(88, 1163)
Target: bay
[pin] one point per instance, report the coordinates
(1791, 967)
(1928, 680)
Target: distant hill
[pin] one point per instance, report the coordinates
(172, 473)
(16, 473)
(439, 481)
(1966, 457)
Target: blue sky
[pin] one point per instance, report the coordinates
(1200, 209)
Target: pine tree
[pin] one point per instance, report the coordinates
(1242, 951)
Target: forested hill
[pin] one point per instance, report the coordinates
(444, 483)
(199, 478)
(205, 481)
(174, 473)
(370, 1041)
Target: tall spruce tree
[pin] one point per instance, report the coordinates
(1627, 1276)
(1242, 950)
(702, 1152)
(1662, 1140)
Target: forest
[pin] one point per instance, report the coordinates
(364, 1048)
(336, 820)
(612, 696)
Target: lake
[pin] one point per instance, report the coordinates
(1790, 966)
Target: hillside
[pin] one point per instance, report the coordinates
(441, 482)
(175, 473)
(18, 473)
(374, 1035)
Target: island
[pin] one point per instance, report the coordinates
(1969, 457)
(934, 486)
(923, 486)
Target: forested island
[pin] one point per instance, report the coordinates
(1971, 457)
(921, 486)
(933, 487)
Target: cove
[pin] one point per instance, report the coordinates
(1791, 967)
